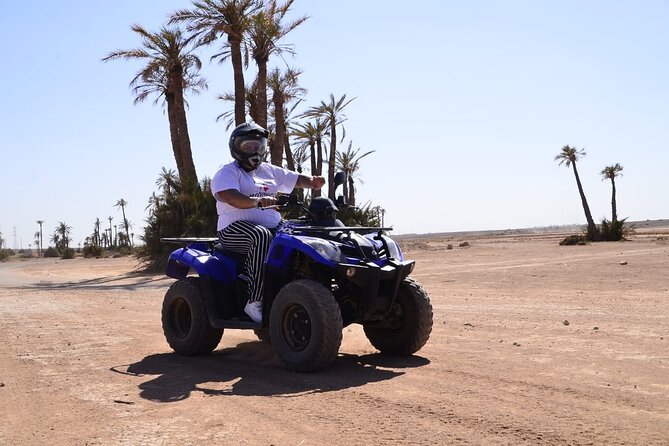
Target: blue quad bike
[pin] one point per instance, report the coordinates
(318, 279)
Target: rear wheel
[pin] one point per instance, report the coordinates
(185, 322)
(408, 326)
(305, 326)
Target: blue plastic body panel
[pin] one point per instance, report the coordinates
(204, 262)
(196, 256)
(284, 245)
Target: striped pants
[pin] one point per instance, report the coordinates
(253, 241)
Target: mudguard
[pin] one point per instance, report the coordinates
(284, 245)
(214, 265)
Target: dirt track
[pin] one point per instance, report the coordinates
(533, 343)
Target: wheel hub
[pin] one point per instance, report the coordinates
(296, 327)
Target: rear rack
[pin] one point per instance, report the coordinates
(188, 240)
(321, 229)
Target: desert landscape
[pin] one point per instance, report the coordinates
(533, 344)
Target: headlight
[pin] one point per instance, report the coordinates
(326, 249)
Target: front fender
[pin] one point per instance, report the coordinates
(284, 245)
(215, 265)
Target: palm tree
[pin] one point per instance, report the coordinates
(210, 20)
(568, 156)
(265, 31)
(41, 238)
(332, 114)
(284, 90)
(111, 240)
(96, 233)
(171, 70)
(250, 103)
(61, 236)
(122, 204)
(311, 135)
(349, 162)
(610, 173)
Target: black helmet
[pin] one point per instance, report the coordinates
(248, 145)
(324, 212)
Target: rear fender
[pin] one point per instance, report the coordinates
(204, 263)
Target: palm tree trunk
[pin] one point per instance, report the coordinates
(262, 94)
(290, 162)
(174, 133)
(614, 213)
(184, 139)
(592, 228)
(351, 191)
(312, 158)
(279, 133)
(238, 71)
(332, 158)
(319, 165)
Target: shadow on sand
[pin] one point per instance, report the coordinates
(251, 369)
(130, 281)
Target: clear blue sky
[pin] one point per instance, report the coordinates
(465, 103)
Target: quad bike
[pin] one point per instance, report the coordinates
(318, 279)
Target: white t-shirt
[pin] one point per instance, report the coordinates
(265, 181)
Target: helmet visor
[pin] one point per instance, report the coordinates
(255, 146)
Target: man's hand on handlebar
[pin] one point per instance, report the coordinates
(266, 202)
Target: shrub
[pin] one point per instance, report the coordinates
(614, 231)
(51, 252)
(574, 240)
(68, 253)
(359, 216)
(5, 254)
(93, 251)
(179, 211)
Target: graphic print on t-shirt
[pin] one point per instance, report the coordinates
(266, 188)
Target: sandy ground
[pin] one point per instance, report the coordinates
(533, 344)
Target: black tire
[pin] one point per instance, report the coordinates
(263, 334)
(305, 326)
(185, 322)
(408, 326)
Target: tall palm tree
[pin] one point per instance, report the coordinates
(285, 89)
(111, 232)
(349, 162)
(96, 233)
(610, 173)
(41, 238)
(311, 135)
(265, 32)
(211, 20)
(568, 156)
(171, 70)
(122, 204)
(333, 115)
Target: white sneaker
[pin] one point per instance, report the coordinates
(254, 310)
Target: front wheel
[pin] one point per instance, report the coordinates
(305, 326)
(185, 322)
(407, 327)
